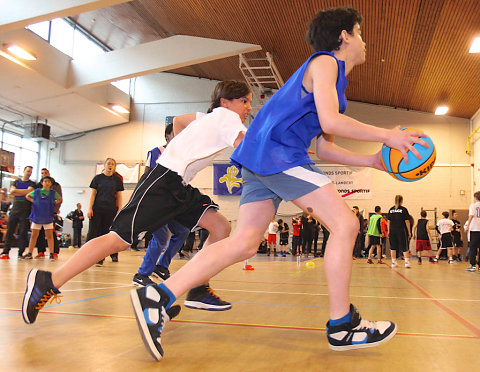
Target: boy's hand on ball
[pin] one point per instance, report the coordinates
(403, 140)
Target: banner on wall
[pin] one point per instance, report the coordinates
(227, 180)
(351, 182)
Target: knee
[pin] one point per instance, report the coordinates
(347, 227)
(221, 230)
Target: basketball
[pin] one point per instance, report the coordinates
(416, 169)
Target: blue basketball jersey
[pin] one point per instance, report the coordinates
(43, 207)
(280, 135)
(152, 157)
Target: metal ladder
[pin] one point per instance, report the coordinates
(261, 73)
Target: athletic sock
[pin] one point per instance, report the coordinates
(342, 320)
(407, 260)
(171, 296)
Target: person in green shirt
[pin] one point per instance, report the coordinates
(43, 202)
(375, 233)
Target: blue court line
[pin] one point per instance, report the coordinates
(250, 303)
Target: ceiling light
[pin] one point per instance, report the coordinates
(120, 109)
(20, 52)
(475, 48)
(441, 110)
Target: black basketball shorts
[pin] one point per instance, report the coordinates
(159, 198)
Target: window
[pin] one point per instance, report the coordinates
(26, 153)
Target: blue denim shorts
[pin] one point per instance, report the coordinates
(287, 185)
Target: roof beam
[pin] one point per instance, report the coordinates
(161, 55)
(18, 14)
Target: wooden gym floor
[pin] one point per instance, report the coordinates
(277, 322)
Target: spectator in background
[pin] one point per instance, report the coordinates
(5, 203)
(296, 238)
(41, 242)
(357, 250)
(43, 203)
(272, 237)
(326, 235)
(105, 200)
(77, 224)
(19, 214)
(284, 232)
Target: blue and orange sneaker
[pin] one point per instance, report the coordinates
(40, 290)
(359, 333)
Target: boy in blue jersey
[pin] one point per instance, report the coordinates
(43, 202)
(276, 166)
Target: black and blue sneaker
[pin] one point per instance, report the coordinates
(359, 333)
(149, 306)
(40, 290)
(204, 298)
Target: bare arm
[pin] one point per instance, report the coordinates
(414, 230)
(321, 77)
(29, 198)
(59, 201)
(20, 192)
(407, 222)
(180, 122)
(238, 139)
(327, 150)
(92, 200)
(118, 196)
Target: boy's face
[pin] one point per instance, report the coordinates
(242, 106)
(46, 183)
(358, 46)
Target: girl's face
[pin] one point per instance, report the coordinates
(109, 165)
(242, 106)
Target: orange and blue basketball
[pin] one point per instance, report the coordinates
(416, 169)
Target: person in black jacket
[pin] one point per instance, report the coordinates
(77, 224)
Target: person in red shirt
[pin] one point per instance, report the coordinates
(384, 227)
(296, 240)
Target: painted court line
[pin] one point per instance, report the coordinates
(437, 302)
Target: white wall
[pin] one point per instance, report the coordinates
(72, 163)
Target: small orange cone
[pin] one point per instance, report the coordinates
(248, 267)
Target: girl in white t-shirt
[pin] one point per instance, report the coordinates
(445, 226)
(163, 194)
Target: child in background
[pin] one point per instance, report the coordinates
(43, 204)
(445, 226)
(374, 233)
(422, 235)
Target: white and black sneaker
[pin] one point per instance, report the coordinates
(161, 272)
(149, 307)
(140, 280)
(204, 298)
(359, 333)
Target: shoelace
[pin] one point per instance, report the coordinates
(366, 324)
(212, 293)
(54, 297)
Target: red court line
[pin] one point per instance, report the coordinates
(299, 284)
(452, 313)
(248, 325)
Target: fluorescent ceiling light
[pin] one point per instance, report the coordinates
(120, 109)
(475, 48)
(441, 110)
(20, 52)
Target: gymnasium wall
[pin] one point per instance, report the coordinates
(73, 161)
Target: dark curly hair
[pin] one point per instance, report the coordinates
(326, 27)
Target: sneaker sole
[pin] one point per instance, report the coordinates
(364, 346)
(30, 284)
(203, 306)
(137, 284)
(143, 327)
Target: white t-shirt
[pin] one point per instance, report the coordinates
(273, 228)
(195, 147)
(474, 211)
(445, 225)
